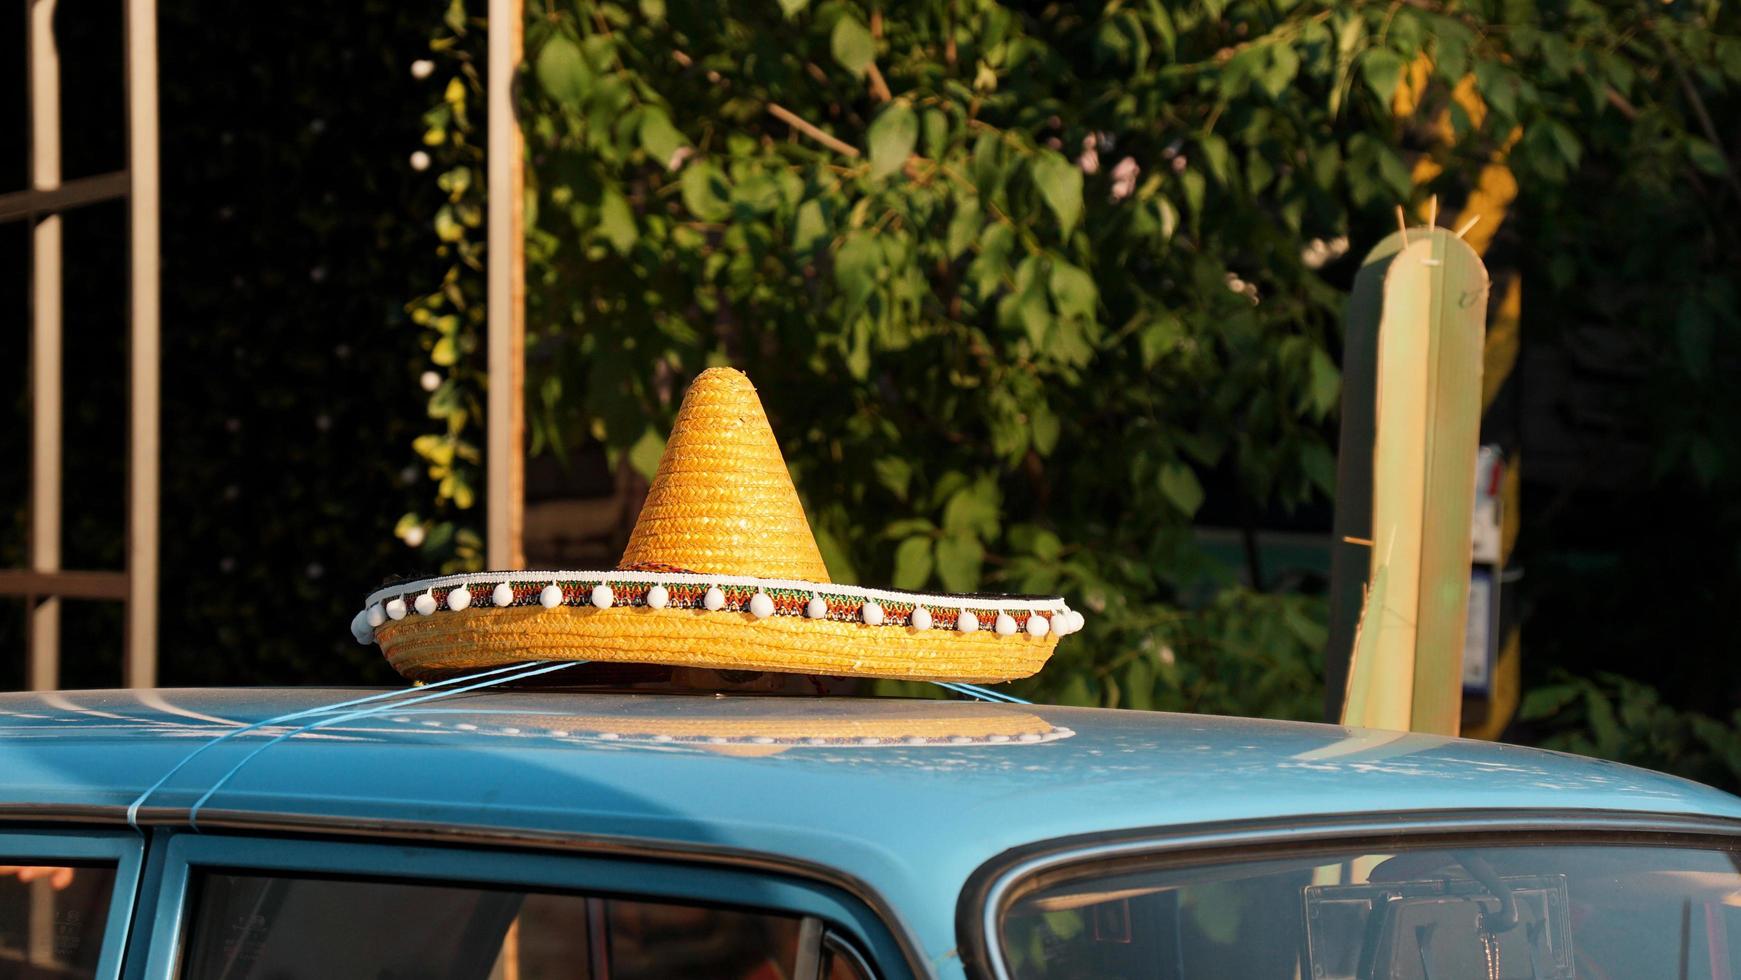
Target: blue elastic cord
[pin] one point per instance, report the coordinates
(193, 813)
(133, 808)
(981, 693)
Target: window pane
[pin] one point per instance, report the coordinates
(650, 941)
(247, 926)
(840, 965)
(52, 919)
(1523, 912)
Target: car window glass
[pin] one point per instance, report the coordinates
(838, 964)
(1512, 912)
(285, 928)
(52, 918)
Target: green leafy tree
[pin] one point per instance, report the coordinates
(1024, 287)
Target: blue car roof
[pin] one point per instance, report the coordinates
(909, 797)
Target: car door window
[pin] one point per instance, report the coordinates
(52, 917)
(249, 926)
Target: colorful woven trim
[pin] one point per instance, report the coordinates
(760, 598)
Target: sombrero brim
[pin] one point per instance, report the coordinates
(432, 627)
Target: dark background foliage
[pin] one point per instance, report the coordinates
(950, 423)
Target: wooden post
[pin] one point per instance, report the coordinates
(505, 417)
(145, 357)
(43, 669)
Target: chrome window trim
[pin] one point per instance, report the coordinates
(844, 948)
(999, 882)
(311, 825)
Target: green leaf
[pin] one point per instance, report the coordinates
(963, 228)
(447, 227)
(1319, 467)
(892, 135)
(644, 455)
(617, 223)
(811, 230)
(958, 561)
(705, 192)
(1283, 65)
(1158, 336)
(852, 45)
(1073, 290)
(792, 8)
(855, 268)
(1381, 69)
(1215, 156)
(659, 138)
(1326, 382)
(973, 510)
(913, 563)
(561, 71)
(1060, 184)
(1046, 427)
(1179, 485)
(895, 473)
(1498, 86)
(1705, 156)
(936, 127)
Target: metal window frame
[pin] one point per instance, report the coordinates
(45, 582)
(997, 884)
(178, 856)
(123, 850)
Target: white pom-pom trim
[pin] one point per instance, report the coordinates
(360, 628)
(1039, 617)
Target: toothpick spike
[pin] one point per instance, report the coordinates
(1472, 222)
(1402, 225)
(1433, 211)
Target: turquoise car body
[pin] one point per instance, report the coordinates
(902, 820)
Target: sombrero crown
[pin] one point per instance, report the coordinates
(721, 571)
(722, 500)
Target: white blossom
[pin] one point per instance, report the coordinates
(1089, 161)
(1124, 178)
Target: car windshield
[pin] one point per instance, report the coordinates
(1474, 913)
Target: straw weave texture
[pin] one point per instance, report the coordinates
(722, 500)
(477, 639)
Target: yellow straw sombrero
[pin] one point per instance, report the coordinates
(721, 571)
